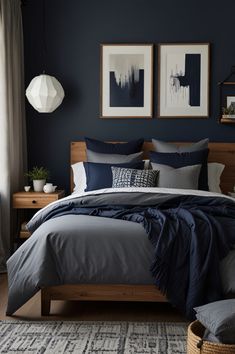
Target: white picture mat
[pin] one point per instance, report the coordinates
(230, 100)
(145, 111)
(165, 63)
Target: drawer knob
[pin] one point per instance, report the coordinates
(34, 201)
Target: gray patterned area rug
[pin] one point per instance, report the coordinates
(92, 337)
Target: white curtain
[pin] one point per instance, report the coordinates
(12, 117)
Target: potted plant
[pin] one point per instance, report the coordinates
(228, 112)
(38, 175)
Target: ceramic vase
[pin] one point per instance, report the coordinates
(38, 185)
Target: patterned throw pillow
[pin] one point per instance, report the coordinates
(129, 177)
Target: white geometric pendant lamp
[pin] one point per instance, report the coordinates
(45, 93)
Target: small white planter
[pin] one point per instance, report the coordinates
(38, 185)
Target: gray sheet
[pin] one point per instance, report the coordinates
(79, 249)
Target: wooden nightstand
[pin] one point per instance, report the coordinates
(32, 200)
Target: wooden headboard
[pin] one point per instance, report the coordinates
(219, 152)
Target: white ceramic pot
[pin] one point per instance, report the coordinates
(38, 185)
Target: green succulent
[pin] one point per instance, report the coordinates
(38, 173)
(228, 110)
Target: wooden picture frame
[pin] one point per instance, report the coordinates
(183, 80)
(126, 81)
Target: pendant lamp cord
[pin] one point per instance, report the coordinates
(44, 46)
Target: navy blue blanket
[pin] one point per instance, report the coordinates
(190, 234)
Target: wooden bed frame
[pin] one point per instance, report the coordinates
(219, 152)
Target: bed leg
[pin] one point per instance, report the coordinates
(45, 303)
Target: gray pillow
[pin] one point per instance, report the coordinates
(219, 318)
(99, 157)
(130, 177)
(209, 337)
(161, 146)
(183, 178)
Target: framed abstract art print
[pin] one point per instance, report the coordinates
(126, 80)
(183, 77)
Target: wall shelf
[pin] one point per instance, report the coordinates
(227, 120)
(227, 83)
(223, 84)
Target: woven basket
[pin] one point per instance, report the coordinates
(195, 344)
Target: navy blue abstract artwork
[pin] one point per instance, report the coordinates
(184, 80)
(126, 76)
(189, 79)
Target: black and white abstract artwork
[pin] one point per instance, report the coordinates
(183, 80)
(126, 81)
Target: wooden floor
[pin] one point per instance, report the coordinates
(89, 311)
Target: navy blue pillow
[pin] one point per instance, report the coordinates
(114, 148)
(183, 159)
(99, 175)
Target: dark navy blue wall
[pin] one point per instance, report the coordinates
(75, 29)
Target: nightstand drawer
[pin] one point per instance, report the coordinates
(34, 200)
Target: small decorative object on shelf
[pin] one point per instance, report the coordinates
(227, 99)
(228, 112)
(38, 175)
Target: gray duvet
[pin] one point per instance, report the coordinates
(73, 249)
(79, 249)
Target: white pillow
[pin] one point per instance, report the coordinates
(215, 170)
(79, 177)
(147, 165)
